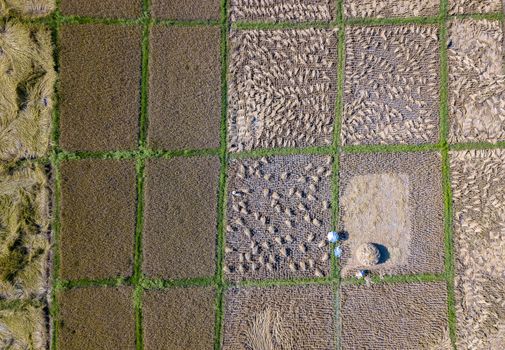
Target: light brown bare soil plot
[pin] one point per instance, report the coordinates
(98, 203)
(179, 239)
(476, 81)
(179, 319)
(24, 327)
(27, 78)
(478, 189)
(24, 232)
(390, 8)
(282, 10)
(391, 93)
(282, 88)
(474, 6)
(301, 317)
(28, 8)
(185, 88)
(278, 217)
(399, 316)
(96, 318)
(394, 201)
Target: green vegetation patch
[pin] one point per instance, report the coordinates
(27, 78)
(24, 241)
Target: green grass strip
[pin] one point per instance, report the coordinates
(223, 156)
(94, 20)
(286, 151)
(282, 282)
(106, 282)
(444, 132)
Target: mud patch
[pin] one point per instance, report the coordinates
(102, 8)
(180, 217)
(181, 318)
(96, 318)
(184, 91)
(278, 217)
(98, 203)
(391, 93)
(478, 189)
(282, 87)
(395, 316)
(284, 318)
(476, 81)
(100, 89)
(395, 201)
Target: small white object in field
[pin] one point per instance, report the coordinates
(333, 237)
(361, 273)
(338, 252)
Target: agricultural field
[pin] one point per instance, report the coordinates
(252, 174)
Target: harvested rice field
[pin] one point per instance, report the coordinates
(252, 175)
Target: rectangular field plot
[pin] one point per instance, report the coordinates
(476, 81)
(282, 10)
(300, 317)
(277, 218)
(282, 88)
(395, 316)
(181, 318)
(474, 6)
(391, 210)
(391, 91)
(390, 8)
(96, 318)
(478, 188)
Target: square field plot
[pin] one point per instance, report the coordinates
(100, 87)
(390, 8)
(301, 317)
(24, 227)
(474, 6)
(391, 93)
(23, 328)
(282, 88)
(282, 10)
(96, 318)
(396, 316)
(98, 202)
(476, 81)
(391, 208)
(185, 10)
(180, 318)
(180, 217)
(278, 217)
(185, 88)
(102, 8)
(478, 190)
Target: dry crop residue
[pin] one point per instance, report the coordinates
(390, 8)
(29, 8)
(281, 88)
(391, 85)
(278, 217)
(474, 6)
(478, 185)
(279, 318)
(282, 10)
(27, 78)
(476, 81)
